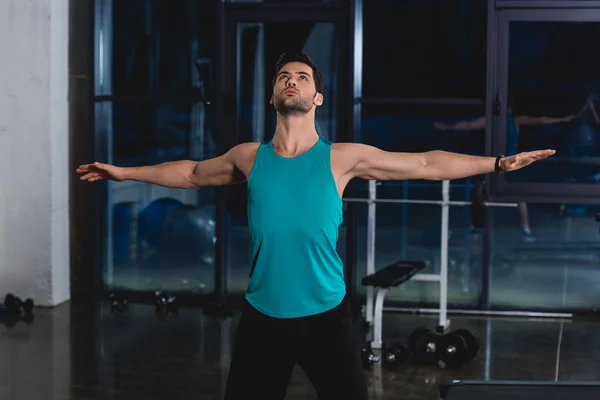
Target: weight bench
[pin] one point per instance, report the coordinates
(394, 276)
(391, 276)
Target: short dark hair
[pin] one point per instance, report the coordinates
(302, 58)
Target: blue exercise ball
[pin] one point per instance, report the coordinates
(190, 231)
(152, 218)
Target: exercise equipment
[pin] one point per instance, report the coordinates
(395, 355)
(368, 358)
(152, 218)
(14, 305)
(191, 230)
(425, 343)
(426, 347)
(11, 320)
(454, 351)
(518, 390)
(118, 305)
(383, 280)
(471, 341)
(165, 304)
(14, 310)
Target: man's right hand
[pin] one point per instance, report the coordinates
(97, 171)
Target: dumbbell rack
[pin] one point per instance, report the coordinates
(374, 303)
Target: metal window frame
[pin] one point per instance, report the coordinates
(500, 188)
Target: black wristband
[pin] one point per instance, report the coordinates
(497, 164)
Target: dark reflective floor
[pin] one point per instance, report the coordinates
(82, 351)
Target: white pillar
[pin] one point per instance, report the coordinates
(34, 157)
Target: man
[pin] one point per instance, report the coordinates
(296, 310)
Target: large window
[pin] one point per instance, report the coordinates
(424, 49)
(548, 84)
(154, 104)
(419, 80)
(555, 269)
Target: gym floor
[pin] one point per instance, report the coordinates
(82, 351)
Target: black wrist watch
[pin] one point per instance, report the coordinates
(497, 164)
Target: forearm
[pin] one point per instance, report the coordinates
(525, 120)
(460, 125)
(175, 174)
(443, 165)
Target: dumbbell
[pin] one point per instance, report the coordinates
(457, 348)
(117, 304)
(165, 304)
(10, 320)
(451, 350)
(367, 356)
(14, 305)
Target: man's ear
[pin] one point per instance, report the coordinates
(318, 99)
(271, 99)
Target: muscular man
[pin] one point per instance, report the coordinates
(296, 310)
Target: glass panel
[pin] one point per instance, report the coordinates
(394, 127)
(553, 78)
(162, 49)
(159, 238)
(443, 55)
(260, 45)
(555, 269)
(413, 232)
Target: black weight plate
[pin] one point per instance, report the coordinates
(366, 356)
(452, 350)
(426, 348)
(414, 338)
(395, 355)
(11, 302)
(28, 306)
(472, 343)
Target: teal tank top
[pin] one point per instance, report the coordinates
(294, 215)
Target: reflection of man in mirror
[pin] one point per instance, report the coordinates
(513, 131)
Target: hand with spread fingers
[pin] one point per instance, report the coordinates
(97, 171)
(520, 160)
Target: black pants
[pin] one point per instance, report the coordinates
(324, 345)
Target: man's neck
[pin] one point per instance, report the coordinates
(294, 134)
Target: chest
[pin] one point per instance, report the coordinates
(285, 198)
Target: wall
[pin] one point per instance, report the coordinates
(34, 175)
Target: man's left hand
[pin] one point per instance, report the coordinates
(520, 160)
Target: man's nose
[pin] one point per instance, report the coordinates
(291, 82)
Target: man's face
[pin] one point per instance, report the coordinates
(294, 92)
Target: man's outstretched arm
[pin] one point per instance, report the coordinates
(183, 174)
(369, 162)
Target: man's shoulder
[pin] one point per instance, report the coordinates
(347, 147)
(248, 146)
(243, 152)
